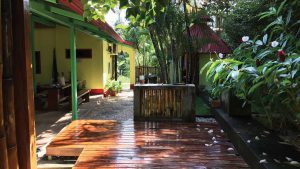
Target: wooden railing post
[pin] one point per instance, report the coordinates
(8, 85)
(137, 102)
(23, 84)
(189, 104)
(3, 146)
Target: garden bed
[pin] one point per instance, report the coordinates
(261, 148)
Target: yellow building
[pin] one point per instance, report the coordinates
(95, 51)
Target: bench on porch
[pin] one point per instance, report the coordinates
(82, 96)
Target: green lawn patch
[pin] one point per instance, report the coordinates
(201, 108)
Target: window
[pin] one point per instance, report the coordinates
(80, 53)
(38, 67)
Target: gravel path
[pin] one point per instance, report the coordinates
(118, 108)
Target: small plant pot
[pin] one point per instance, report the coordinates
(216, 103)
(113, 93)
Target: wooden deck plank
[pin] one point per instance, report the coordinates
(109, 144)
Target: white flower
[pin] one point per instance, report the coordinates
(264, 154)
(215, 142)
(210, 131)
(263, 161)
(259, 43)
(222, 131)
(274, 44)
(214, 138)
(245, 38)
(288, 158)
(221, 55)
(248, 141)
(294, 162)
(208, 145)
(229, 149)
(257, 138)
(277, 161)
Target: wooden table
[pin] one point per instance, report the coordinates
(109, 144)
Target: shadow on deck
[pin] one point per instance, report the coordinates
(129, 144)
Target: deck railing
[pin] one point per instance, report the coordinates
(159, 102)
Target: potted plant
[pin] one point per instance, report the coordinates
(215, 103)
(214, 99)
(112, 88)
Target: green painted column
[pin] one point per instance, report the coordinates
(73, 73)
(32, 31)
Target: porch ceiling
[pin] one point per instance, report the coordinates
(50, 13)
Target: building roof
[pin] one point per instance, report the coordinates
(77, 7)
(207, 40)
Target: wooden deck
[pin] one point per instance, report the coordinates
(108, 144)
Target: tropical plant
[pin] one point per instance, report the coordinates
(113, 86)
(265, 72)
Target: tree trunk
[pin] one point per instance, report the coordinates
(164, 58)
(159, 57)
(196, 72)
(190, 49)
(8, 86)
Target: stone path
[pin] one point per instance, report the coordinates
(118, 108)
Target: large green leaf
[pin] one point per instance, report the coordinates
(124, 4)
(255, 87)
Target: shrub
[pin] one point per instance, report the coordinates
(265, 72)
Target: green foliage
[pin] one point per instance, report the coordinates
(201, 108)
(123, 64)
(243, 17)
(265, 71)
(113, 86)
(140, 36)
(142, 12)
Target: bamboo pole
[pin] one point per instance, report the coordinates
(8, 86)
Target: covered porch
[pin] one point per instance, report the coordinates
(83, 52)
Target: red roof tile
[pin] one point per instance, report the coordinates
(77, 7)
(209, 40)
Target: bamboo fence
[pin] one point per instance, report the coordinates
(157, 102)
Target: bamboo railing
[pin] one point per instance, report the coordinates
(158, 102)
